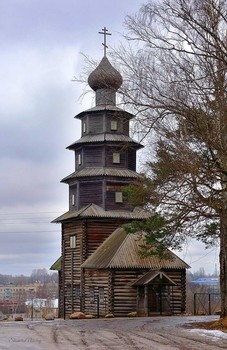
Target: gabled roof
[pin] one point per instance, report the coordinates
(122, 250)
(102, 171)
(105, 137)
(153, 275)
(94, 211)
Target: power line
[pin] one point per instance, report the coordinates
(211, 251)
(27, 231)
(27, 213)
(25, 223)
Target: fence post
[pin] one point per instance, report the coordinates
(195, 304)
(209, 303)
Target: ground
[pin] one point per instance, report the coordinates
(158, 333)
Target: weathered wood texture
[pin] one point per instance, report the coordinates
(98, 231)
(93, 156)
(90, 234)
(95, 281)
(90, 192)
(79, 287)
(101, 155)
(72, 259)
(99, 122)
(124, 295)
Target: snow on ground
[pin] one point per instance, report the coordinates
(214, 334)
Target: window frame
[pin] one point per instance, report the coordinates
(72, 242)
(118, 197)
(116, 158)
(113, 125)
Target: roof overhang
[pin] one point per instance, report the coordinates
(154, 277)
(56, 265)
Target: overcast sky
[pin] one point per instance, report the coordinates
(41, 42)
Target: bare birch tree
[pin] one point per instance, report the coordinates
(175, 77)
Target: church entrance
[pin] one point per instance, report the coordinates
(155, 294)
(160, 299)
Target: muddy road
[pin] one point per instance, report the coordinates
(164, 333)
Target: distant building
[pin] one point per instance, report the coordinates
(209, 284)
(16, 293)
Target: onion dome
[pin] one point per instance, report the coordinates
(105, 76)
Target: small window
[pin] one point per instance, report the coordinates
(116, 158)
(84, 127)
(73, 241)
(118, 197)
(101, 294)
(73, 199)
(79, 159)
(113, 125)
(92, 294)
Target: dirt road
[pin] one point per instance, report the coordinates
(159, 333)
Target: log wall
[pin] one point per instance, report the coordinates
(98, 231)
(96, 281)
(124, 295)
(72, 259)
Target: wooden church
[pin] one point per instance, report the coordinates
(101, 270)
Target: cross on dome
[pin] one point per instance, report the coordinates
(104, 32)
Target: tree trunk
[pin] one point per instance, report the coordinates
(223, 262)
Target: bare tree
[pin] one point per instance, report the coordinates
(174, 69)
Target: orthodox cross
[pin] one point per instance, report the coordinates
(104, 32)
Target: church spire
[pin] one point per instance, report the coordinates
(105, 80)
(104, 32)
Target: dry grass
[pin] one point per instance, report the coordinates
(220, 325)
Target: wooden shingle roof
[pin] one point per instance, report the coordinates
(122, 250)
(94, 211)
(105, 137)
(102, 171)
(101, 108)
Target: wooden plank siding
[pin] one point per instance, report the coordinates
(95, 123)
(120, 297)
(93, 156)
(132, 159)
(94, 280)
(91, 192)
(111, 188)
(98, 231)
(124, 295)
(109, 157)
(179, 291)
(73, 258)
(89, 236)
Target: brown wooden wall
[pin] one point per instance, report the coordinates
(95, 123)
(124, 295)
(101, 122)
(72, 259)
(132, 159)
(93, 156)
(91, 192)
(121, 296)
(179, 291)
(90, 234)
(98, 231)
(100, 155)
(95, 280)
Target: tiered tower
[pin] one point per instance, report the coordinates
(105, 163)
